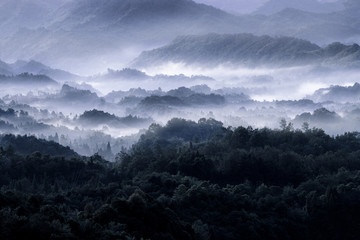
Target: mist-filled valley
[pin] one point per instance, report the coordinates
(179, 119)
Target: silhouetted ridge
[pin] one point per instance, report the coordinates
(27, 145)
(96, 117)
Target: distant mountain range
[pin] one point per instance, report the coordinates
(34, 67)
(131, 74)
(18, 14)
(86, 28)
(27, 79)
(338, 94)
(315, 6)
(88, 31)
(248, 50)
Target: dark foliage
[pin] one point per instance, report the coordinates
(29, 144)
(96, 117)
(196, 99)
(190, 180)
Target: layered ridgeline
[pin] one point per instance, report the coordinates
(20, 14)
(27, 79)
(82, 29)
(314, 6)
(36, 68)
(29, 75)
(248, 50)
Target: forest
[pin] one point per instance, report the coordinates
(186, 180)
(179, 119)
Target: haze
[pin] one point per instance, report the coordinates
(99, 72)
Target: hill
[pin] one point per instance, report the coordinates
(338, 93)
(27, 79)
(275, 6)
(96, 118)
(37, 68)
(248, 50)
(75, 96)
(27, 145)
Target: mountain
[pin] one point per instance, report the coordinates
(74, 95)
(131, 74)
(338, 94)
(27, 79)
(89, 14)
(180, 98)
(125, 74)
(18, 14)
(275, 6)
(83, 29)
(96, 118)
(248, 50)
(319, 116)
(87, 35)
(36, 68)
(27, 145)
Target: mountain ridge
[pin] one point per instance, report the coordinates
(82, 32)
(36, 68)
(248, 50)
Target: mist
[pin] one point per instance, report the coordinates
(94, 77)
(179, 119)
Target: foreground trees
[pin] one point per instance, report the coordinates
(189, 180)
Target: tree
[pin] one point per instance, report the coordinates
(286, 126)
(305, 126)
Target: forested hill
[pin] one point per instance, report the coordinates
(27, 79)
(34, 69)
(26, 145)
(190, 180)
(248, 50)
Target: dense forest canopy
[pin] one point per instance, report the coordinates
(188, 180)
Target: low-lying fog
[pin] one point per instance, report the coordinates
(106, 113)
(88, 113)
(260, 84)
